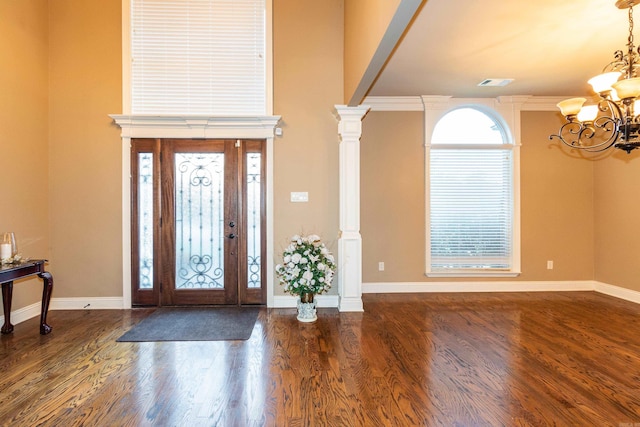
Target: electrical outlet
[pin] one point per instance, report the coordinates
(549, 265)
(381, 266)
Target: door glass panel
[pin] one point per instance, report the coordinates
(253, 220)
(145, 220)
(199, 220)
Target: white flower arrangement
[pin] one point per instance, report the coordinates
(307, 266)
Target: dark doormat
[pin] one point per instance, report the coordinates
(195, 324)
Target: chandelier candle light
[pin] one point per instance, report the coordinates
(614, 120)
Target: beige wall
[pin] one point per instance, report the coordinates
(307, 84)
(24, 185)
(556, 207)
(617, 194)
(366, 22)
(557, 204)
(392, 196)
(85, 147)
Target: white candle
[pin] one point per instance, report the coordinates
(5, 250)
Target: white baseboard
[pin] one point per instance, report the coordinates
(493, 286)
(24, 313)
(90, 303)
(618, 292)
(512, 286)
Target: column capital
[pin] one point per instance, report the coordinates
(350, 120)
(344, 111)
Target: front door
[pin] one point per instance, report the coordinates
(198, 236)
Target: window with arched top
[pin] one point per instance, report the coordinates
(471, 207)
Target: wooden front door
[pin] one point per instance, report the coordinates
(199, 236)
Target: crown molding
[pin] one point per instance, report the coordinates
(150, 126)
(416, 103)
(543, 103)
(394, 103)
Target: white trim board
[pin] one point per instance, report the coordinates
(415, 103)
(24, 313)
(488, 286)
(92, 303)
(617, 292)
(506, 286)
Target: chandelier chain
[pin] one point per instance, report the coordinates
(630, 28)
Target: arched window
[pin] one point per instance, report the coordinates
(471, 193)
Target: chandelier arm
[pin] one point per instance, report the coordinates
(581, 135)
(617, 114)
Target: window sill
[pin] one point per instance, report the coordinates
(472, 273)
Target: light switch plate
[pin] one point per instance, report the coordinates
(299, 196)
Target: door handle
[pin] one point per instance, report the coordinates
(231, 236)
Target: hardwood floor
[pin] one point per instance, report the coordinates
(525, 359)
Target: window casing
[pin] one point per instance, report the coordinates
(472, 190)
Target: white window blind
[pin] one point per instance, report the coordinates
(471, 194)
(201, 57)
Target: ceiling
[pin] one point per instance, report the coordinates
(549, 48)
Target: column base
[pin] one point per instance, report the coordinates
(350, 304)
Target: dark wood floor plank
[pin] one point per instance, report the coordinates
(511, 359)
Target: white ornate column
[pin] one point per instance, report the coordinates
(349, 240)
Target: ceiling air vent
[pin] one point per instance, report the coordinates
(495, 82)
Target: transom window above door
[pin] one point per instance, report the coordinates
(198, 57)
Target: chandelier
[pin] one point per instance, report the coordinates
(614, 118)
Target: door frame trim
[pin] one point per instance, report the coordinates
(193, 127)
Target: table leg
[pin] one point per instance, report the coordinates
(47, 288)
(7, 294)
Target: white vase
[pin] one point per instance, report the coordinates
(307, 310)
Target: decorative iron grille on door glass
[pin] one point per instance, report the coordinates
(199, 220)
(145, 220)
(253, 220)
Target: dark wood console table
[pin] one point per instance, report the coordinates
(11, 272)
